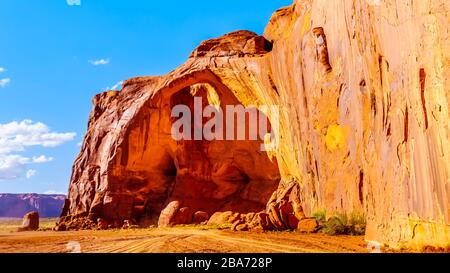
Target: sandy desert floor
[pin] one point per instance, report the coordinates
(176, 240)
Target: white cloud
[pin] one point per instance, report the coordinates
(30, 173)
(42, 159)
(4, 82)
(2, 69)
(17, 137)
(12, 166)
(116, 86)
(73, 2)
(79, 144)
(99, 62)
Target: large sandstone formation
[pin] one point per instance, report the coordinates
(130, 166)
(363, 87)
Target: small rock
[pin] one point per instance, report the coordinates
(102, 224)
(200, 217)
(61, 227)
(236, 216)
(30, 222)
(261, 222)
(242, 227)
(308, 225)
(292, 221)
(220, 218)
(183, 217)
(168, 214)
(127, 224)
(235, 224)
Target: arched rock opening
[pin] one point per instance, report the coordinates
(153, 169)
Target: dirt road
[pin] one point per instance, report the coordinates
(177, 240)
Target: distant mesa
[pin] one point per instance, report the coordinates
(17, 205)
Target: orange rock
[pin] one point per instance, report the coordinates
(308, 225)
(60, 227)
(285, 210)
(292, 222)
(221, 218)
(184, 216)
(128, 224)
(200, 217)
(236, 224)
(168, 214)
(364, 125)
(102, 224)
(242, 227)
(260, 222)
(249, 217)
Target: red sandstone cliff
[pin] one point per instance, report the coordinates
(364, 126)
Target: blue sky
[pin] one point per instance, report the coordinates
(55, 57)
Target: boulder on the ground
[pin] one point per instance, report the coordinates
(242, 227)
(174, 215)
(168, 214)
(223, 218)
(183, 217)
(200, 217)
(30, 222)
(102, 224)
(60, 227)
(308, 225)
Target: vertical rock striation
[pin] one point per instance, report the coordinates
(363, 88)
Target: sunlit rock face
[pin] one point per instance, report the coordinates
(369, 122)
(363, 88)
(131, 167)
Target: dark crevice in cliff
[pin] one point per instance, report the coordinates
(339, 96)
(362, 85)
(360, 187)
(273, 85)
(322, 49)
(268, 45)
(373, 103)
(423, 76)
(380, 67)
(317, 169)
(406, 126)
(388, 132)
(386, 100)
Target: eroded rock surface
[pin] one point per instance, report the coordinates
(30, 222)
(130, 166)
(364, 91)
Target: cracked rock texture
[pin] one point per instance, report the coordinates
(363, 88)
